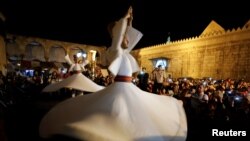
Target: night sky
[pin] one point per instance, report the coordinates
(86, 22)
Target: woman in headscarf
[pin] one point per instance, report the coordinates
(121, 111)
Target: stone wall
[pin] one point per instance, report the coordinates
(221, 55)
(17, 42)
(215, 53)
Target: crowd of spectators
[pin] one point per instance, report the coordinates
(203, 99)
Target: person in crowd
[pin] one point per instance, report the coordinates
(37, 77)
(199, 101)
(143, 79)
(53, 77)
(121, 111)
(159, 77)
(1, 79)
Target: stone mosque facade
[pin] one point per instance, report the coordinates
(216, 53)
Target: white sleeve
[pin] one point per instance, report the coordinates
(133, 36)
(118, 34)
(68, 59)
(82, 67)
(71, 67)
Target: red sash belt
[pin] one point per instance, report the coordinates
(76, 72)
(120, 78)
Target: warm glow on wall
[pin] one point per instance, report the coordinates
(93, 55)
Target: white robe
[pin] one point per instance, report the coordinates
(120, 112)
(76, 66)
(76, 81)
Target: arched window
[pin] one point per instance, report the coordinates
(34, 51)
(13, 50)
(57, 54)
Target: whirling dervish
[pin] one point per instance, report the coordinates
(77, 80)
(121, 111)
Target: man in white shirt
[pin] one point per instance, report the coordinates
(159, 76)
